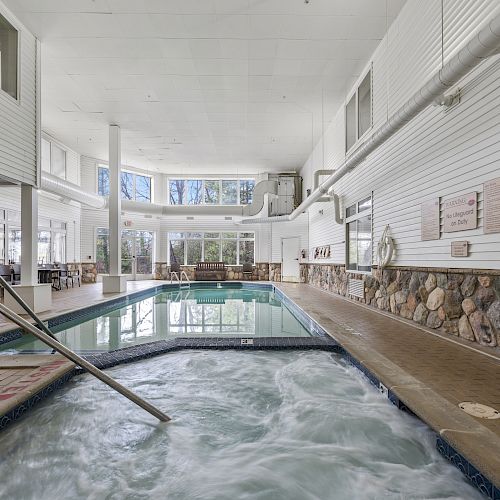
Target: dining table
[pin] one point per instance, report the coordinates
(52, 276)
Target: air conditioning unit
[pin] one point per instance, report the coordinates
(289, 194)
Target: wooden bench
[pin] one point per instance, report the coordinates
(210, 271)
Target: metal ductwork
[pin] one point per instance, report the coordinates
(317, 175)
(138, 207)
(68, 190)
(260, 190)
(485, 43)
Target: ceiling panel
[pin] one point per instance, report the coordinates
(200, 85)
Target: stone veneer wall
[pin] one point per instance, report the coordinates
(88, 272)
(463, 303)
(262, 271)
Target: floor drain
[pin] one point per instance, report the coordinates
(478, 410)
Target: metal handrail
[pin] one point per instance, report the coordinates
(183, 273)
(179, 277)
(7, 286)
(49, 339)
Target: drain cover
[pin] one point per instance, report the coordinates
(478, 410)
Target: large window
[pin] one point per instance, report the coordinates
(133, 186)
(53, 159)
(210, 191)
(359, 235)
(44, 239)
(232, 248)
(358, 112)
(102, 251)
(14, 245)
(138, 245)
(8, 57)
(51, 243)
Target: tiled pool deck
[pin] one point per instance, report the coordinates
(425, 373)
(428, 374)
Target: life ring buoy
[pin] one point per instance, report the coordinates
(385, 248)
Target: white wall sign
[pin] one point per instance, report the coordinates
(460, 213)
(429, 212)
(459, 248)
(492, 206)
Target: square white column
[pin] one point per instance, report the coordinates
(115, 282)
(37, 296)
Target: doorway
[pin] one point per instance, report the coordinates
(137, 254)
(290, 268)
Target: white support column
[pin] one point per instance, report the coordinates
(115, 282)
(29, 235)
(37, 296)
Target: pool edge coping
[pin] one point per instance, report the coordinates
(472, 473)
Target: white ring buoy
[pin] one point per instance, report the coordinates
(385, 249)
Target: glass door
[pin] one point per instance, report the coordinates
(144, 244)
(128, 252)
(137, 253)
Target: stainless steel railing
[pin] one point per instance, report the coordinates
(44, 334)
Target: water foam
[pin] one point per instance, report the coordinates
(260, 426)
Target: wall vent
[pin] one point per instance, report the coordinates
(228, 218)
(190, 218)
(356, 288)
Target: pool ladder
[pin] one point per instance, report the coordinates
(44, 334)
(175, 276)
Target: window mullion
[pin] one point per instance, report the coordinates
(237, 249)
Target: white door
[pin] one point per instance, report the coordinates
(290, 269)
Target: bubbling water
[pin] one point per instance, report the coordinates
(252, 425)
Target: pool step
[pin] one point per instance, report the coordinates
(23, 376)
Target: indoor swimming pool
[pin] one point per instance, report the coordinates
(246, 425)
(193, 313)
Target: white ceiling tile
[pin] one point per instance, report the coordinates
(241, 83)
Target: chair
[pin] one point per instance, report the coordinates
(65, 276)
(247, 271)
(74, 274)
(55, 276)
(6, 273)
(16, 274)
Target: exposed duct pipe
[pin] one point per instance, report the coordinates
(317, 175)
(156, 209)
(336, 204)
(260, 190)
(483, 44)
(71, 191)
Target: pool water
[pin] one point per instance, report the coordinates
(246, 425)
(181, 313)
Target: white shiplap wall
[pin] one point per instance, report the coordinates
(92, 219)
(281, 230)
(440, 153)
(18, 119)
(50, 207)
